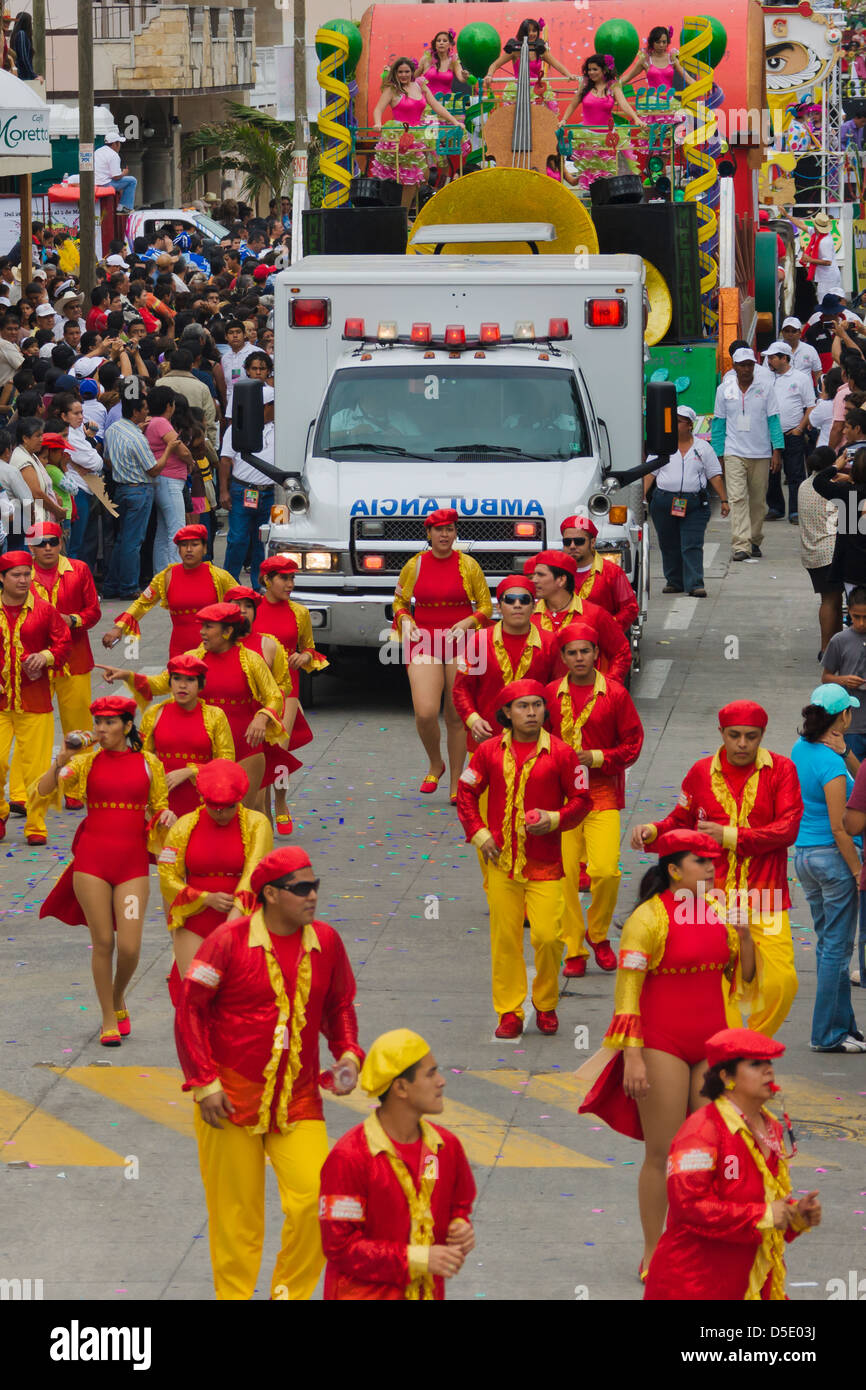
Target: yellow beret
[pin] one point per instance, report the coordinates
(389, 1056)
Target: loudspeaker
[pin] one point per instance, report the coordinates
(365, 192)
(616, 188)
(355, 231)
(667, 235)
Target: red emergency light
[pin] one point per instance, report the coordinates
(373, 562)
(489, 333)
(354, 328)
(422, 332)
(311, 313)
(558, 328)
(455, 335)
(525, 530)
(605, 313)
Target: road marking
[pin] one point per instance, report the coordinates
(649, 682)
(681, 613)
(30, 1135)
(488, 1141)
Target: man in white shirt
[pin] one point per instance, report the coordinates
(109, 173)
(795, 396)
(747, 432)
(805, 358)
(248, 496)
(828, 279)
(762, 373)
(68, 308)
(10, 356)
(232, 361)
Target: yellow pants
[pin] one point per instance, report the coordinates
(232, 1163)
(595, 843)
(775, 986)
(34, 738)
(510, 901)
(73, 696)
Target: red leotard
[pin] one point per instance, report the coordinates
(227, 687)
(180, 738)
(111, 842)
(277, 757)
(682, 1000)
(186, 592)
(440, 597)
(278, 620)
(211, 845)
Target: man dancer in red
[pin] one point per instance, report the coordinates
(555, 576)
(258, 993)
(599, 581)
(397, 1192)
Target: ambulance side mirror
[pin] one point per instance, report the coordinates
(662, 437)
(248, 416)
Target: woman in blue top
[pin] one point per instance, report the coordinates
(827, 861)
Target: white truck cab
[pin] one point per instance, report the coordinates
(508, 387)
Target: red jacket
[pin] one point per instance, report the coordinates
(476, 689)
(612, 732)
(609, 587)
(717, 1212)
(759, 849)
(364, 1215)
(226, 1025)
(72, 592)
(35, 627)
(614, 649)
(556, 783)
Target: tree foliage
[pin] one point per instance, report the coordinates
(248, 143)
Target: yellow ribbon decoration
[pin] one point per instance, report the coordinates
(571, 727)
(508, 860)
(594, 569)
(334, 159)
(770, 1256)
(502, 657)
(737, 819)
(298, 1013)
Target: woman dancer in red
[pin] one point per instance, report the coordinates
(678, 966)
(205, 866)
(731, 1212)
(450, 597)
(185, 733)
(238, 682)
(106, 885)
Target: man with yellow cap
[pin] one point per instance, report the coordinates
(397, 1192)
(748, 800)
(600, 581)
(535, 790)
(258, 993)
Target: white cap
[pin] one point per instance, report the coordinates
(744, 355)
(114, 137)
(4, 300)
(268, 395)
(43, 310)
(778, 347)
(85, 366)
(687, 413)
(792, 323)
(116, 259)
(40, 274)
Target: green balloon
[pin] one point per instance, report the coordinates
(478, 45)
(716, 51)
(620, 39)
(356, 43)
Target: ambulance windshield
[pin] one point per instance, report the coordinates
(430, 410)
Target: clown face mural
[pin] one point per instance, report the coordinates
(801, 48)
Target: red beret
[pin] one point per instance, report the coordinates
(576, 632)
(276, 865)
(13, 558)
(222, 783)
(227, 613)
(517, 689)
(515, 581)
(51, 440)
(445, 516)
(279, 564)
(732, 1043)
(114, 706)
(262, 272)
(686, 842)
(190, 533)
(557, 560)
(743, 713)
(187, 664)
(43, 529)
(579, 523)
(240, 591)
(529, 565)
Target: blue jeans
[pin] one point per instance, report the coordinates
(681, 538)
(171, 515)
(126, 186)
(243, 536)
(79, 525)
(135, 505)
(856, 744)
(831, 892)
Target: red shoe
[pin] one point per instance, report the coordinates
(285, 825)
(431, 782)
(584, 885)
(109, 1037)
(73, 804)
(124, 1026)
(546, 1020)
(2, 830)
(574, 968)
(37, 839)
(605, 958)
(510, 1026)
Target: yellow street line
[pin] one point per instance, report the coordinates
(28, 1135)
(153, 1092)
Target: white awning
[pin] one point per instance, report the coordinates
(63, 120)
(25, 143)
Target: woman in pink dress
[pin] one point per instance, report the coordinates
(599, 149)
(402, 150)
(540, 58)
(440, 65)
(658, 60)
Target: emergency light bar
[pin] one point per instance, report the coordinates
(456, 335)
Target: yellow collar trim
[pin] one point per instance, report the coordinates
(378, 1141)
(764, 759)
(260, 936)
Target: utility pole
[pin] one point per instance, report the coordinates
(87, 184)
(39, 39)
(300, 198)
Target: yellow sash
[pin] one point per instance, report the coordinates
(571, 727)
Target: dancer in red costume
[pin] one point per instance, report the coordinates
(599, 581)
(555, 576)
(205, 866)
(185, 733)
(678, 966)
(396, 1192)
(106, 885)
(183, 589)
(238, 682)
(730, 1207)
(450, 597)
(596, 717)
(255, 999)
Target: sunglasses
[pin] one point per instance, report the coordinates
(522, 599)
(52, 540)
(300, 890)
(576, 540)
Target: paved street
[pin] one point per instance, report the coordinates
(100, 1186)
